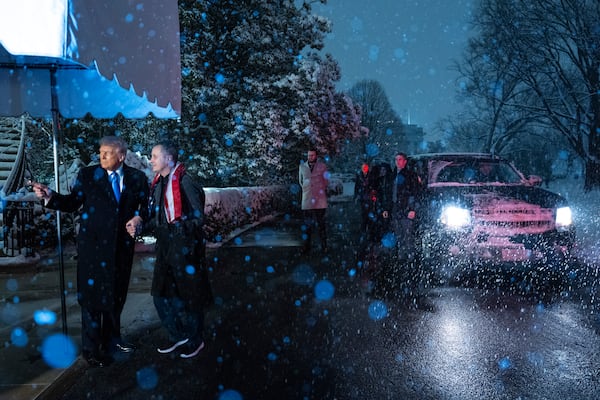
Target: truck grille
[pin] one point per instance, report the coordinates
(508, 222)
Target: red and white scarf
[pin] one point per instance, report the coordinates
(172, 193)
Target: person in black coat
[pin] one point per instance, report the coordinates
(180, 285)
(404, 192)
(371, 189)
(112, 212)
(364, 188)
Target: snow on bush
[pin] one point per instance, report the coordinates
(335, 187)
(227, 209)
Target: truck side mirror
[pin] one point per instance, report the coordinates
(534, 180)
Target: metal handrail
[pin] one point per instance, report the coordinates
(14, 181)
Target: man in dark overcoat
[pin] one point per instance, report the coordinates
(404, 194)
(110, 217)
(180, 286)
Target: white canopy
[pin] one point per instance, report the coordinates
(110, 57)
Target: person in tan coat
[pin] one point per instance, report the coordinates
(314, 178)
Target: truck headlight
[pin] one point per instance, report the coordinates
(564, 218)
(455, 217)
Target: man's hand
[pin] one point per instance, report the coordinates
(134, 226)
(412, 214)
(42, 191)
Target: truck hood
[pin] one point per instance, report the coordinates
(490, 196)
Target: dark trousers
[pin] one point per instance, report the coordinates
(100, 331)
(178, 320)
(404, 230)
(366, 215)
(312, 218)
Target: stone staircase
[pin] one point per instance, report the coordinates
(12, 160)
(16, 218)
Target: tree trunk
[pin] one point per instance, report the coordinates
(592, 175)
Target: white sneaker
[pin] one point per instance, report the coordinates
(193, 353)
(176, 345)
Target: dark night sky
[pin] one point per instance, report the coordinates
(408, 46)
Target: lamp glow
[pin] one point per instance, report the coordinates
(455, 217)
(564, 217)
(33, 27)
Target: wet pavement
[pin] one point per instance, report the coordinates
(245, 271)
(287, 325)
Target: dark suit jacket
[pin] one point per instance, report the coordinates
(105, 249)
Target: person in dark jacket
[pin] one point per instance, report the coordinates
(370, 192)
(404, 195)
(364, 188)
(112, 212)
(180, 285)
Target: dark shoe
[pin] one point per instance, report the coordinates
(124, 348)
(166, 350)
(98, 362)
(192, 351)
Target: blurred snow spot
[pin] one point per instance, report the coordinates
(190, 269)
(378, 310)
(19, 337)
(324, 290)
(147, 378)
(504, 364)
(373, 52)
(58, 351)
(230, 394)
(399, 358)
(540, 308)
(44, 317)
(12, 285)
(400, 54)
(388, 240)
(148, 263)
(372, 149)
(303, 275)
(535, 359)
(10, 314)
